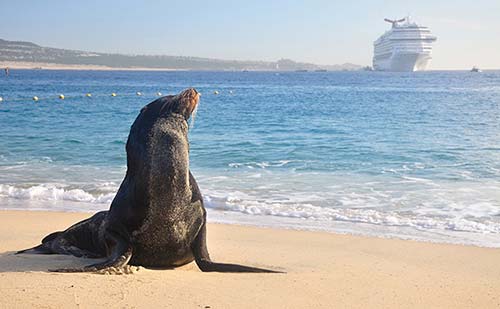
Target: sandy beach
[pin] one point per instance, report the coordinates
(322, 271)
(57, 66)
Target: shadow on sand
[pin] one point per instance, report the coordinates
(11, 262)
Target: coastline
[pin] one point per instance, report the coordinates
(322, 270)
(23, 65)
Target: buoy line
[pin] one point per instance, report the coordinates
(88, 95)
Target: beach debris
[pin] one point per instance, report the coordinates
(138, 93)
(61, 96)
(35, 98)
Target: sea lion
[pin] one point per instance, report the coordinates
(157, 218)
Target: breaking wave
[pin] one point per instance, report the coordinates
(54, 193)
(103, 194)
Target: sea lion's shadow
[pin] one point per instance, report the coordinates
(11, 262)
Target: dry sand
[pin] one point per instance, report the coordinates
(323, 271)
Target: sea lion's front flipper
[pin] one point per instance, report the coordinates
(121, 252)
(202, 258)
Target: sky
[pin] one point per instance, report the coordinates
(321, 32)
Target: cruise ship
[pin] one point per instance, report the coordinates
(406, 47)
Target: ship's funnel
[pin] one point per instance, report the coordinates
(394, 22)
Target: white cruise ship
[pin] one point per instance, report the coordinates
(406, 47)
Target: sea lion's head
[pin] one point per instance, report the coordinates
(183, 104)
(176, 109)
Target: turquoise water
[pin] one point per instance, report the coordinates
(388, 154)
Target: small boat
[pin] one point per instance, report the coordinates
(320, 70)
(475, 70)
(301, 70)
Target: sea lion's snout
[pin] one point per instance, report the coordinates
(186, 102)
(183, 104)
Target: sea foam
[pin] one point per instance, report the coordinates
(352, 208)
(53, 193)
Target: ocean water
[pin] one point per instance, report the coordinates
(402, 155)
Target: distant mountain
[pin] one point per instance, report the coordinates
(29, 52)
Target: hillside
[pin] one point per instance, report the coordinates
(18, 51)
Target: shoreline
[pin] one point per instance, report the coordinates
(347, 228)
(322, 270)
(24, 65)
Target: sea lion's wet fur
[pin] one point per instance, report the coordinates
(157, 218)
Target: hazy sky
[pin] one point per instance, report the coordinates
(323, 32)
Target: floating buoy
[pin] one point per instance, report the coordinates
(1, 99)
(113, 94)
(158, 94)
(88, 95)
(216, 92)
(61, 96)
(138, 93)
(35, 98)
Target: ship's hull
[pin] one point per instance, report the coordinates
(402, 62)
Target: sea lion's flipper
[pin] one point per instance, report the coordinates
(120, 255)
(115, 263)
(75, 251)
(203, 261)
(58, 243)
(51, 236)
(40, 249)
(43, 248)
